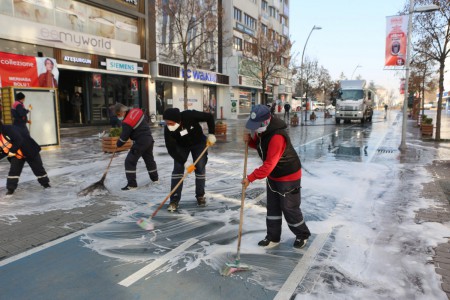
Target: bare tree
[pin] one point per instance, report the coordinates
(422, 79)
(434, 42)
(266, 56)
(189, 34)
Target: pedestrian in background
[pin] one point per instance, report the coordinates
(287, 108)
(19, 112)
(135, 128)
(20, 147)
(272, 108)
(282, 169)
(183, 135)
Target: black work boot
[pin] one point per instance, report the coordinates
(201, 201)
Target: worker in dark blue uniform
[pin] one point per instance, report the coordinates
(135, 127)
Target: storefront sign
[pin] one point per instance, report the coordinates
(249, 81)
(80, 60)
(42, 34)
(121, 66)
(134, 2)
(27, 71)
(199, 75)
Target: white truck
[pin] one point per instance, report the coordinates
(354, 102)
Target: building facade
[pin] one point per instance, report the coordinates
(199, 32)
(243, 21)
(99, 46)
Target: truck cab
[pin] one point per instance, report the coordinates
(354, 102)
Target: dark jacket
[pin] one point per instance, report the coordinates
(135, 128)
(189, 133)
(20, 140)
(289, 162)
(19, 114)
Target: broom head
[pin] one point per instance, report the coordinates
(145, 224)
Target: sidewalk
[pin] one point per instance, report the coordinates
(34, 230)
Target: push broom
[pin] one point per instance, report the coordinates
(236, 266)
(99, 185)
(147, 224)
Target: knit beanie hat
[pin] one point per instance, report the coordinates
(19, 96)
(172, 114)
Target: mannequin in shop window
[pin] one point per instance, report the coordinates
(77, 101)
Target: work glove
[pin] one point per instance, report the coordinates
(11, 154)
(189, 167)
(30, 107)
(29, 121)
(211, 140)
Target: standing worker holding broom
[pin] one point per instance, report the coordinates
(183, 135)
(282, 168)
(19, 113)
(134, 127)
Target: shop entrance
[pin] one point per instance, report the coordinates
(72, 87)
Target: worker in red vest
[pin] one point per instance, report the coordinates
(20, 147)
(135, 127)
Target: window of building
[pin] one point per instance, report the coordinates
(237, 14)
(273, 12)
(264, 30)
(237, 44)
(249, 21)
(264, 5)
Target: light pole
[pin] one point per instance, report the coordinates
(425, 8)
(301, 69)
(358, 66)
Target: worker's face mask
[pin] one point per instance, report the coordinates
(173, 127)
(261, 129)
(120, 118)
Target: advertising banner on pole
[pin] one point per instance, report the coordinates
(396, 34)
(27, 71)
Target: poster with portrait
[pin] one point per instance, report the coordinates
(27, 71)
(134, 84)
(97, 81)
(396, 41)
(48, 73)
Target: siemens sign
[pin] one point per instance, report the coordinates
(121, 66)
(199, 75)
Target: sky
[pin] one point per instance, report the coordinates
(353, 33)
(377, 249)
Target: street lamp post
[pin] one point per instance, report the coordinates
(301, 69)
(358, 66)
(425, 8)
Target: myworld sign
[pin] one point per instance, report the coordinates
(199, 75)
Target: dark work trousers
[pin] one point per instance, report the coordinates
(200, 171)
(15, 170)
(283, 197)
(137, 151)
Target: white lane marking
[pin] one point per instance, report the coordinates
(157, 263)
(290, 285)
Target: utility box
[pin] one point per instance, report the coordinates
(44, 127)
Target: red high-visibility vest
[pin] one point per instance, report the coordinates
(134, 117)
(6, 145)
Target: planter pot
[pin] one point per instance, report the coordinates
(109, 144)
(294, 121)
(221, 128)
(427, 129)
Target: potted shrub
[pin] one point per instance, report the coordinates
(427, 126)
(109, 142)
(221, 127)
(294, 120)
